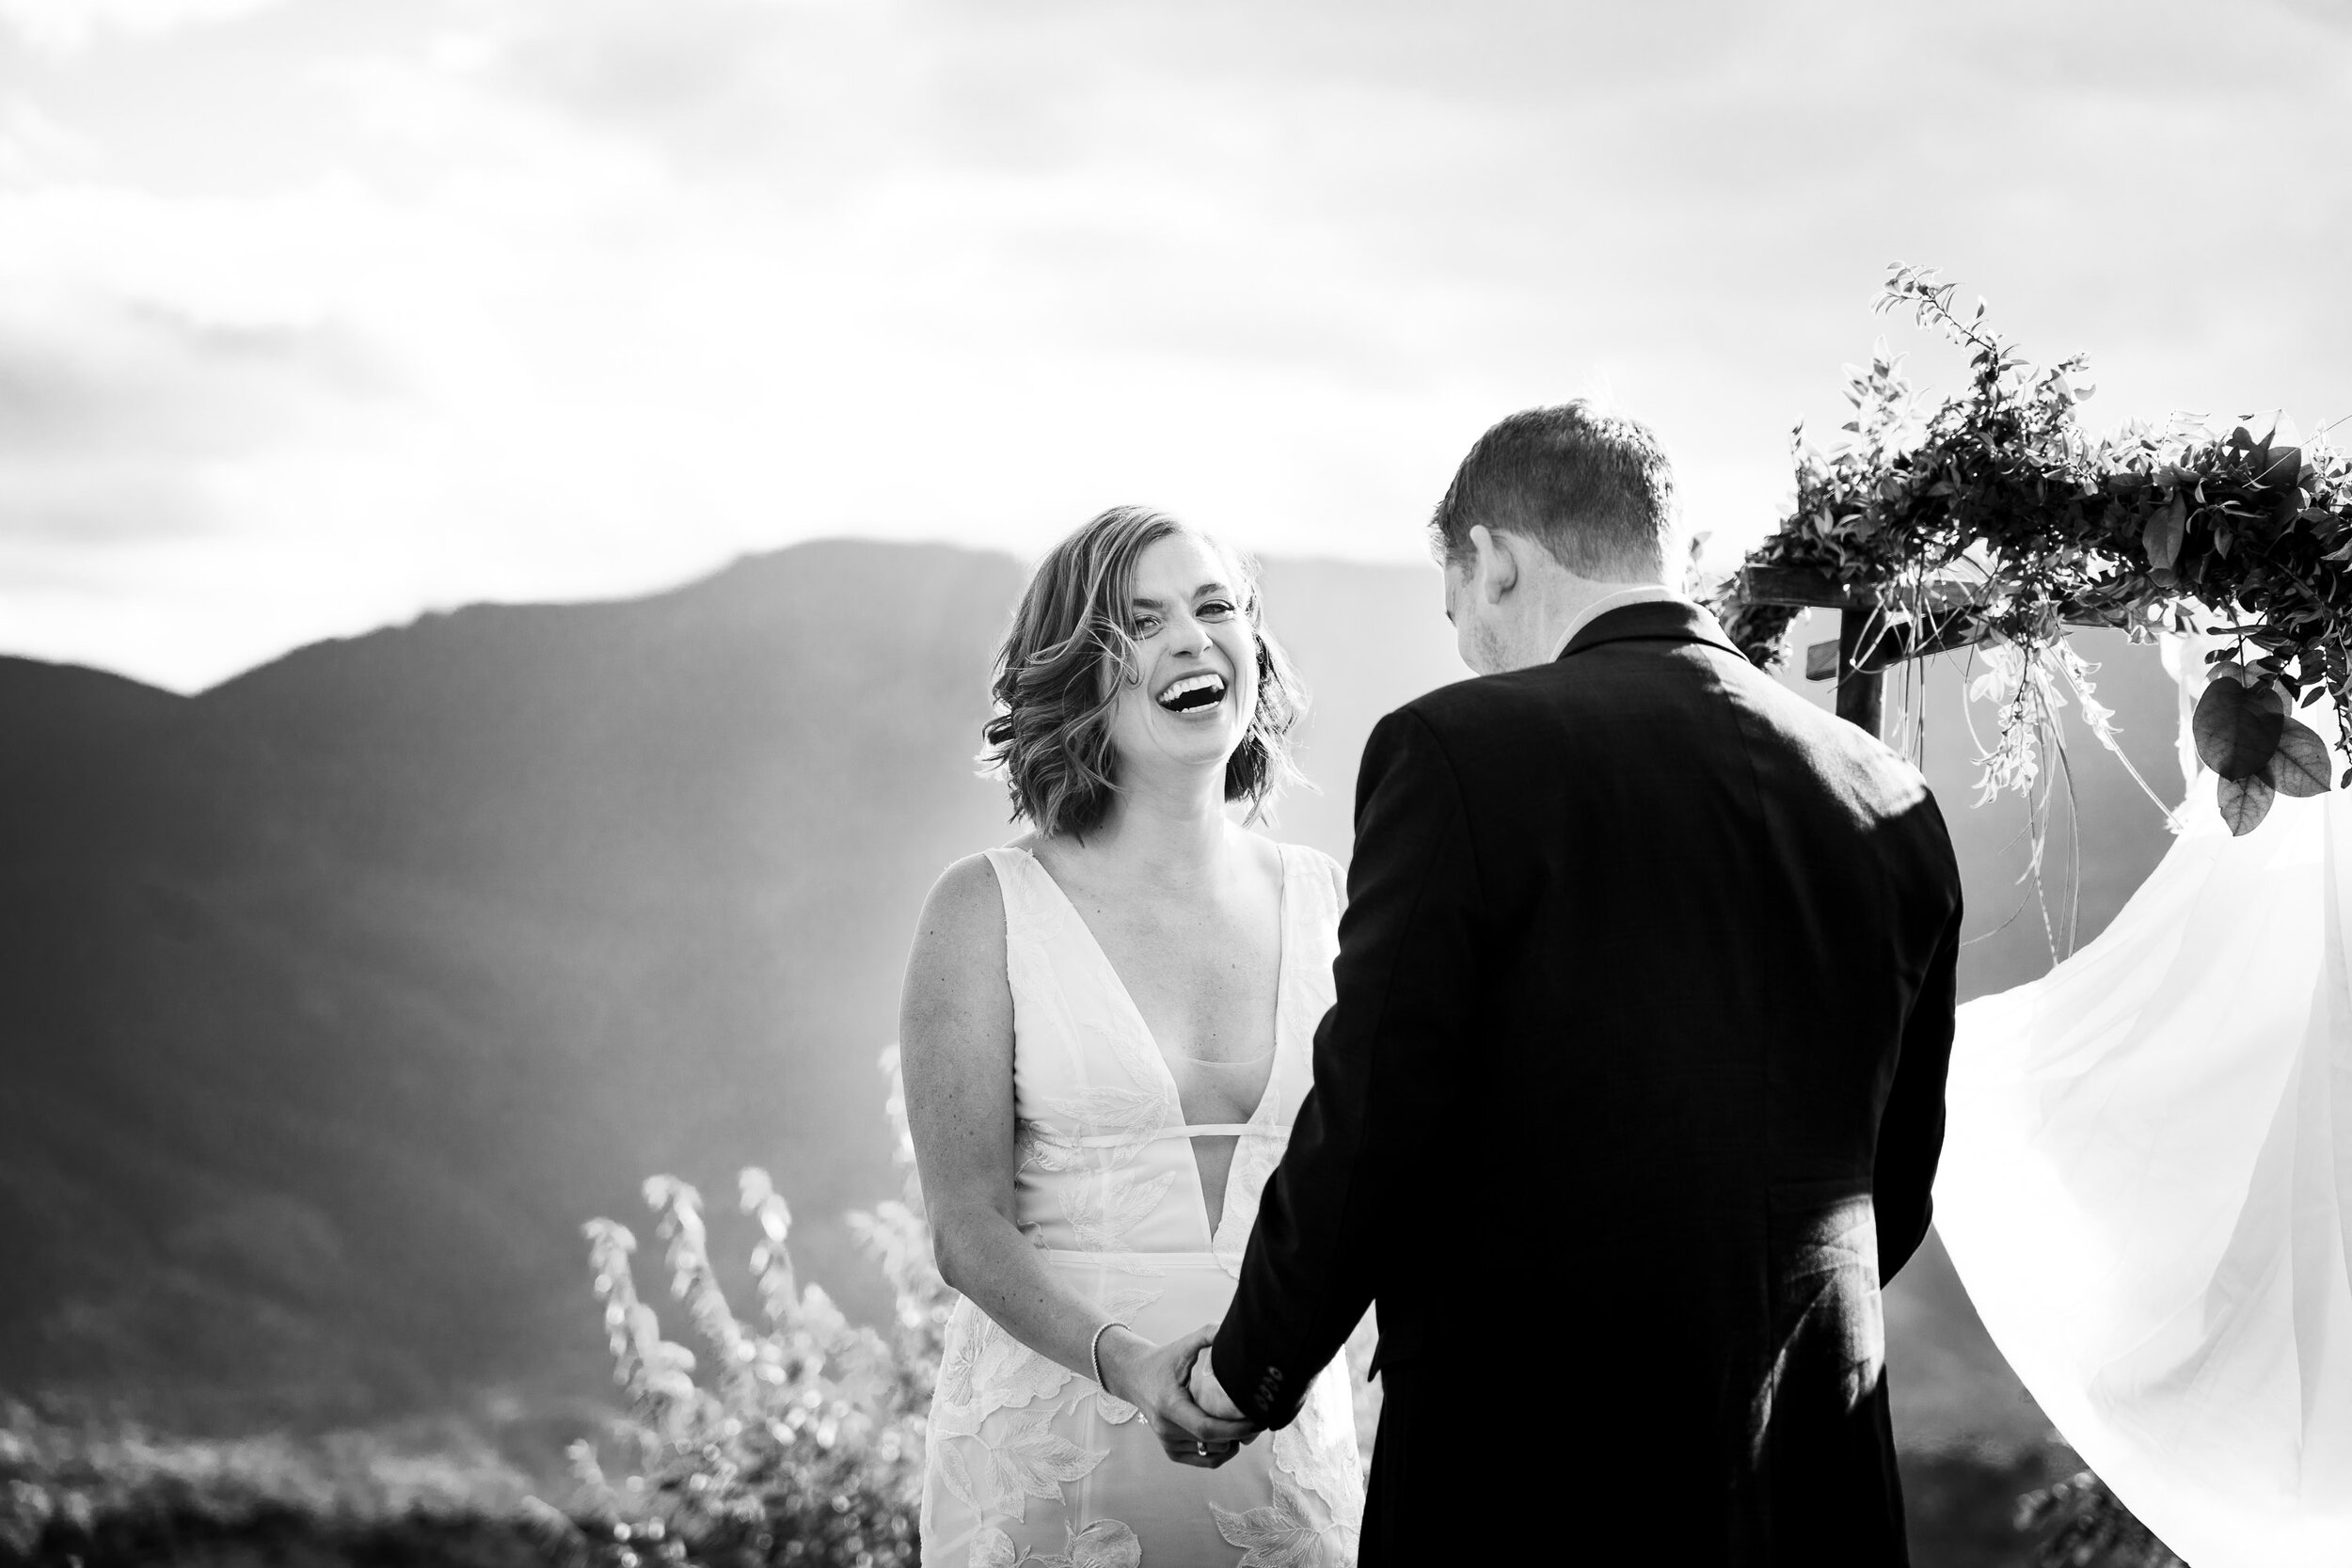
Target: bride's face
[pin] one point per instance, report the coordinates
(1196, 657)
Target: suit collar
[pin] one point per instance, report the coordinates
(1659, 621)
(1637, 592)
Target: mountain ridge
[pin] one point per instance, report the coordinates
(340, 994)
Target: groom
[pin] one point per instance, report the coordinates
(1632, 1092)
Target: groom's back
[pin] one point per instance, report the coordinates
(1716, 963)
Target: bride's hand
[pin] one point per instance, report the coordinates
(1152, 1378)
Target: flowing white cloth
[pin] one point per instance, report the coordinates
(1029, 1462)
(2147, 1180)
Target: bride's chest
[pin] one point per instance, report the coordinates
(1204, 980)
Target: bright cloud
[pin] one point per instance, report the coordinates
(323, 313)
(65, 26)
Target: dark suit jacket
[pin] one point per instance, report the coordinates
(1631, 1095)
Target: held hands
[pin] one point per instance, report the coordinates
(1157, 1379)
(1209, 1394)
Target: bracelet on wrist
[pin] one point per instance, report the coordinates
(1094, 1351)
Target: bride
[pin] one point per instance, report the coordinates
(1106, 1029)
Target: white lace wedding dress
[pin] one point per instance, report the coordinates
(2147, 1186)
(1028, 1463)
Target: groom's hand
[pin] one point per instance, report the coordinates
(1154, 1379)
(1209, 1394)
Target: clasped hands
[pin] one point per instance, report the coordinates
(1177, 1390)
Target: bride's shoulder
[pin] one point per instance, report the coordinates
(956, 965)
(966, 900)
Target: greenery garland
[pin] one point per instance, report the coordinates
(1995, 518)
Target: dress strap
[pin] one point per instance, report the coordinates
(1029, 968)
(1029, 914)
(1012, 871)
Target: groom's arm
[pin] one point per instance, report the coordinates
(1389, 1067)
(1911, 1128)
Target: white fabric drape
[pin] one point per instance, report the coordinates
(2146, 1182)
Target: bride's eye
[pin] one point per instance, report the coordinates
(1144, 624)
(1218, 608)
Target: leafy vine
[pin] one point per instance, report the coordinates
(1995, 517)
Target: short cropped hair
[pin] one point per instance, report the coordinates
(1596, 491)
(1069, 652)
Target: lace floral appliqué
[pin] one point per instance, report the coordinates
(1281, 1535)
(997, 1476)
(1104, 1544)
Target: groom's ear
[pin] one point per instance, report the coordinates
(1497, 565)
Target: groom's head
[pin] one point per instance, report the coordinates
(1552, 509)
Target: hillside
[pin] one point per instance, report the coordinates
(336, 996)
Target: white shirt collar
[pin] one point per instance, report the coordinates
(1640, 593)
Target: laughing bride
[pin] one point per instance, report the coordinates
(1107, 1028)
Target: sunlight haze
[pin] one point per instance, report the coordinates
(318, 313)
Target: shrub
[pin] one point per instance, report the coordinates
(2086, 1526)
(801, 1439)
(102, 1490)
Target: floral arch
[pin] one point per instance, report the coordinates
(1995, 520)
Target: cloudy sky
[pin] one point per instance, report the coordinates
(315, 314)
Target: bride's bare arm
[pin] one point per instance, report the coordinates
(956, 1045)
(955, 1030)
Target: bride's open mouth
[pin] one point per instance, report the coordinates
(1193, 694)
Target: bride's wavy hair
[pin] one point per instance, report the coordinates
(1072, 651)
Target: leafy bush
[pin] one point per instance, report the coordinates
(99, 1492)
(802, 1444)
(801, 1441)
(2086, 1525)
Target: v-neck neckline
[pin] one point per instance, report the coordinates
(1283, 906)
(1127, 997)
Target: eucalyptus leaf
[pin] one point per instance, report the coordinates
(2237, 727)
(2299, 767)
(2281, 467)
(2245, 802)
(2162, 536)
